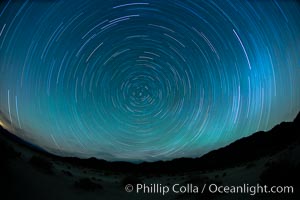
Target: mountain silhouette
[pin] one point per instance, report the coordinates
(244, 150)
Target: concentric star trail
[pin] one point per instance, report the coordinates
(146, 80)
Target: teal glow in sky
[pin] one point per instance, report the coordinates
(146, 80)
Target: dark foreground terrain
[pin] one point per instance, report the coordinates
(266, 158)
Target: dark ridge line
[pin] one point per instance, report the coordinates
(243, 150)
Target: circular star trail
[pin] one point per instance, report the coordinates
(146, 80)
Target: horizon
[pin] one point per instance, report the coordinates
(137, 162)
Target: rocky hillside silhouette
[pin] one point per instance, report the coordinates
(244, 150)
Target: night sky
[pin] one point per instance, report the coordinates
(146, 80)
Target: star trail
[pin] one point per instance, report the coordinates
(146, 80)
